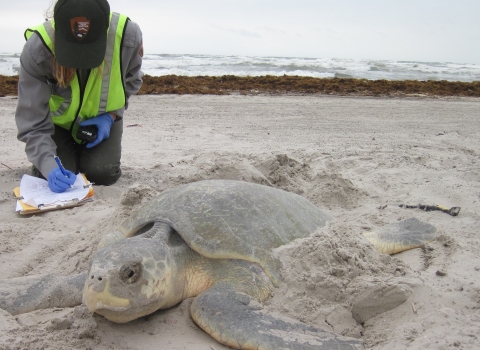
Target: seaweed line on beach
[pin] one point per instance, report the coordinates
(231, 84)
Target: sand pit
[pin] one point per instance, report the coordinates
(356, 158)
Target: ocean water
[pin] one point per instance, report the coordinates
(194, 65)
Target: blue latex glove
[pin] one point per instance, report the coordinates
(59, 182)
(103, 122)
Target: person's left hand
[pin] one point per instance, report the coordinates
(103, 122)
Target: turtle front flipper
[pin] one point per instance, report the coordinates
(237, 320)
(400, 236)
(24, 294)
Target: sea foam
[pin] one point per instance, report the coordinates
(194, 65)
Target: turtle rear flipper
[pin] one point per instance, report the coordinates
(235, 319)
(24, 294)
(400, 236)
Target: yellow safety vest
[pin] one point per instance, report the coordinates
(103, 92)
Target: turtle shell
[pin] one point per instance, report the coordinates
(232, 219)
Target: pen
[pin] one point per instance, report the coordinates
(62, 169)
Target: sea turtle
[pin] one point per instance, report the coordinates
(212, 240)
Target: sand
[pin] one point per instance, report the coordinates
(356, 158)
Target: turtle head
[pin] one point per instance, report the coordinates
(130, 279)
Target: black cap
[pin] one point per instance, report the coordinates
(81, 32)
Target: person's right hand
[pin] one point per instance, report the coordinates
(58, 182)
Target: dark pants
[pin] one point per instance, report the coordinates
(100, 164)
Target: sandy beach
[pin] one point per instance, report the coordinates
(357, 158)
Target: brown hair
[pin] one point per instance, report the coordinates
(63, 75)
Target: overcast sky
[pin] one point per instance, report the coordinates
(413, 30)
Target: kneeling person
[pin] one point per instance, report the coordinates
(77, 70)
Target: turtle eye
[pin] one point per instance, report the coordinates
(130, 272)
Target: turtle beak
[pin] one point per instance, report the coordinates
(103, 300)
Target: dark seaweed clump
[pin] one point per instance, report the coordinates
(8, 85)
(229, 84)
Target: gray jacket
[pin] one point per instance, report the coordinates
(36, 84)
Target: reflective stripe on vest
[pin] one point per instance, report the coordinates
(100, 95)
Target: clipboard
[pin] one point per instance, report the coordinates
(39, 198)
